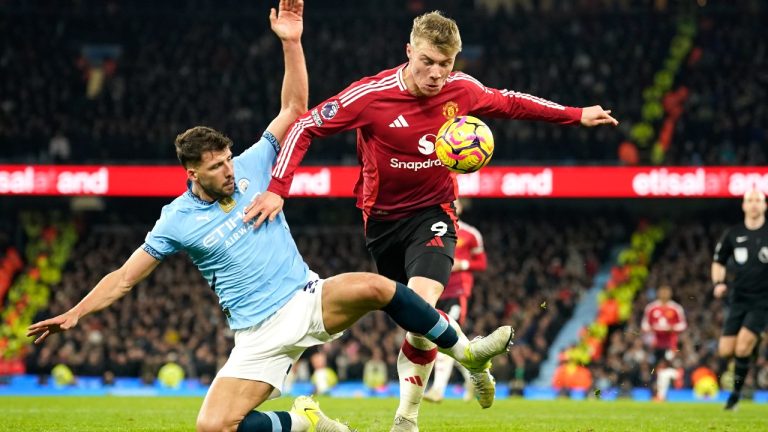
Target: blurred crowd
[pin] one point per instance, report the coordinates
(538, 267)
(173, 315)
(89, 81)
(683, 262)
(725, 120)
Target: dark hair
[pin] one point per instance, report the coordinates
(193, 142)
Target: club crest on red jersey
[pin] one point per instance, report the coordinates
(329, 110)
(450, 110)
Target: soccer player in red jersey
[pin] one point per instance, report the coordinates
(404, 193)
(664, 318)
(469, 258)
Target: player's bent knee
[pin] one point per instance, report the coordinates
(726, 346)
(725, 352)
(743, 350)
(214, 425)
(378, 289)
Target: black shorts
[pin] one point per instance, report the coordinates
(754, 318)
(419, 245)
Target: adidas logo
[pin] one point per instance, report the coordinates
(399, 122)
(415, 380)
(436, 242)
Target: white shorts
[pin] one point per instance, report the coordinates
(266, 352)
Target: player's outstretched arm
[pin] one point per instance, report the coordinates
(596, 116)
(288, 25)
(522, 106)
(107, 291)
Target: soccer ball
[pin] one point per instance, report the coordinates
(464, 144)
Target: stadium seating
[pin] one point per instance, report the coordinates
(174, 311)
(131, 75)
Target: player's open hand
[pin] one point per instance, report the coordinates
(287, 22)
(57, 324)
(266, 205)
(596, 116)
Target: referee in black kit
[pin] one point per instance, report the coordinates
(744, 248)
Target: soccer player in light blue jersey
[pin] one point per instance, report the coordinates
(274, 303)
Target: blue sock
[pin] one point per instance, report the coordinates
(415, 315)
(269, 421)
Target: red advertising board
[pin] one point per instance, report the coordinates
(338, 181)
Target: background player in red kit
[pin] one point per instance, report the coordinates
(404, 193)
(469, 258)
(665, 319)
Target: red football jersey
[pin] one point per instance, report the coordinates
(400, 173)
(470, 253)
(665, 321)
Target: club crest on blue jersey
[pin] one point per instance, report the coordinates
(329, 110)
(242, 185)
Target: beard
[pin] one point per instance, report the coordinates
(214, 192)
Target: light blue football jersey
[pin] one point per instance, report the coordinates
(253, 271)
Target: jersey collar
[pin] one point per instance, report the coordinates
(400, 78)
(196, 198)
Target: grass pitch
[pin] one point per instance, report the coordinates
(31, 414)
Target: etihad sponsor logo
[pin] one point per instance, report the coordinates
(76, 182)
(233, 229)
(414, 166)
(699, 182)
(661, 182)
(608, 182)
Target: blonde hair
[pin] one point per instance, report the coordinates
(438, 31)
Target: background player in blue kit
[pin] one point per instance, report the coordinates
(274, 303)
